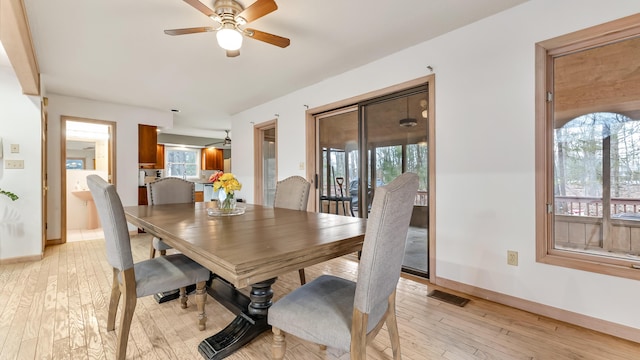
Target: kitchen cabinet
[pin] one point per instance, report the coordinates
(159, 162)
(147, 144)
(142, 195)
(142, 200)
(199, 196)
(212, 159)
(159, 156)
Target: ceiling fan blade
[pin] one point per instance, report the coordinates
(233, 53)
(268, 38)
(257, 10)
(201, 7)
(189, 30)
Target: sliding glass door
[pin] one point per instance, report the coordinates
(339, 160)
(394, 131)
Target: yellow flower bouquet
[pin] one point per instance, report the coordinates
(227, 183)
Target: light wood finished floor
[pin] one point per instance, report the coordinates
(57, 308)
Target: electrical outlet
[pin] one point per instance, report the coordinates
(14, 164)
(15, 148)
(512, 257)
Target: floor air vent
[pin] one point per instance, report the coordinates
(448, 298)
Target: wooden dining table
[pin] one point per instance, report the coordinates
(251, 249)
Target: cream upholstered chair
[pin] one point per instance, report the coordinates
(344, 315)
(293, 193)
(144, 278)
(169, 190)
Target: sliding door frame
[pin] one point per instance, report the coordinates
(312, 145)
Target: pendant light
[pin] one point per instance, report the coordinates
(408, 122)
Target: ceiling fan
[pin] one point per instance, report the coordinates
(225, 143)
(231, 17)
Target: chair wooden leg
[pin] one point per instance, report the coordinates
(359, 335)
(113, 301)
(303, 278)
(152, 251)
(279, 346)
(183, 297)
(128, 289)
(201, 299)
(392, 327)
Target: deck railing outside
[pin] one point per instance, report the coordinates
(592, 206)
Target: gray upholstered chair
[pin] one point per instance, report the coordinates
(344, 315)
(169, 190)
(293, 193)
(144, 278)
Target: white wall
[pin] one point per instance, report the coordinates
(20, 221)
(126, 118)
(485, 150)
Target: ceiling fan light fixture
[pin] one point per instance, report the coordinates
(229, 38)
(241, 21)
(408, 122)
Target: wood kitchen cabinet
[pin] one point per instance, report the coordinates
(142, 195)
(159, 164)
(159, 156)
(147, 144)
(212, 159)
(199, 196)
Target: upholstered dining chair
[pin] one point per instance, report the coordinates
(293, 193)
(132, 281)
(343, 314)
(169, 190)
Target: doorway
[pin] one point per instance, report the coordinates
(87, 148)
(265, 162)
(368, 144)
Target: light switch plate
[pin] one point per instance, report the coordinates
(14, 164)
(15, 148)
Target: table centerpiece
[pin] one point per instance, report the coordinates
(226, 184)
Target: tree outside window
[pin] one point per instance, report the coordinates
(588, 149)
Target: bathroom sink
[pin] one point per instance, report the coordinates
(84, 195)
(92, 213)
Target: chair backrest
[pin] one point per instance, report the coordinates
(384, 243)
(114, 223)
(292, 193)
(170, 190)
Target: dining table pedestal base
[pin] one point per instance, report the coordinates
(251, 317)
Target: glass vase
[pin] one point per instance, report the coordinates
(226, 201)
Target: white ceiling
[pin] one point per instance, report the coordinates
(116, 51)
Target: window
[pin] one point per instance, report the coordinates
(588, 149)
(75, 163)
(182, 162)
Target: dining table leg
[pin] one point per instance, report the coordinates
(251, 317)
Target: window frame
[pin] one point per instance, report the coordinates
(545, 51)
(198, 151)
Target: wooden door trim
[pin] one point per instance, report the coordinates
(43, 167)
(63, 169)
(258, 131)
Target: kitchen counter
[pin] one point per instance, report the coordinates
(203, 186)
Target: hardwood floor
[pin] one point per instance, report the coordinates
(56, 309)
